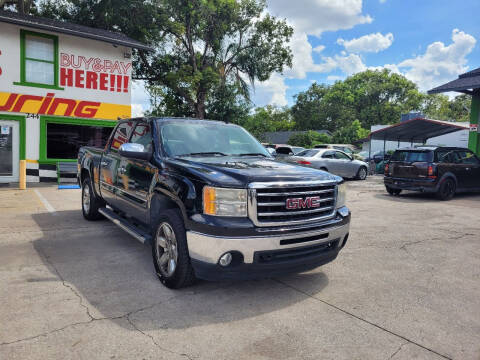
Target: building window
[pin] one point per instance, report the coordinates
(64, 140)
(38, 60)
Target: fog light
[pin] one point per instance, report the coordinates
(343, 211)
(225, 259)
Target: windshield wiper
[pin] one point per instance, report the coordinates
(204, 153)
(252, 154)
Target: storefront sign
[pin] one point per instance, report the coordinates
(94, 73)
(52, 105)
(473, 127)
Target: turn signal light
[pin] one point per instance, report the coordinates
(209, 197)
(430, 172)
(303, 162)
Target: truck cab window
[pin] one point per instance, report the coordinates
(142, 135)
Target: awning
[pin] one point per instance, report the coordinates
(466, 83)
(417, 130)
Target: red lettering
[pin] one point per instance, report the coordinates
(79, 78)
(46, 103)
(23, 99)
(119, 83)
(86, 109)
(72, 62)
(107, 65)
(64, 59)
(103, 81)
(87, 63)
(112, 82)
(66, 77)
(68, 111)
(116, 67)
(125, 84)
(8, 104)
(91, 82)
(126, 67)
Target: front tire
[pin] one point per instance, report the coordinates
(90, 202)
(170, 251)
(362, 173)
(447, 189)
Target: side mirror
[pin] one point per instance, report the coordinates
(134, 151)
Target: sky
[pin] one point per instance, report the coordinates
(428, 41)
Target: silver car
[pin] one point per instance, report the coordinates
(334, 161)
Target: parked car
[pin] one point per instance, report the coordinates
(288, 150)
(440, 170)
(378, 157)
(346, 148)
(211, 202)
(335, 161)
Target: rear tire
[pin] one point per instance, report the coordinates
(393, 192)
(362, 173)
(447, 189)
(170, 251)
(90, 202)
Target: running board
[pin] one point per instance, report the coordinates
(125, 225)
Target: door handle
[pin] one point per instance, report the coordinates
(104, 163)
(122, 170)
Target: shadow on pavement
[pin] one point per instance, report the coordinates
(412, 196)
(114, 275)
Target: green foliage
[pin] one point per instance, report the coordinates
(267, 119)
(372, 97)
(203, 48)
(440, 107)
(349, 133)
(309, 139)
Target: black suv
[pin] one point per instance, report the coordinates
(441, 170)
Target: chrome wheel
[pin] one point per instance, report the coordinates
(166, 250)
(362, 173)
(86, 199)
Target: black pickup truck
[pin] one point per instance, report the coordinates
(211, 201)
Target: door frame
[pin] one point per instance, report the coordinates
(21, 136)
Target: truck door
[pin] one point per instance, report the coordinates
(135, 177)
(110, 161)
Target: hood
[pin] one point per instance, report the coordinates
(240, 171)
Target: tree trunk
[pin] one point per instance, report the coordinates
(200, 110)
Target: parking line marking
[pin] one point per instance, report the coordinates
(45, 203)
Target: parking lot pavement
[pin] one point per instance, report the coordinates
(406, 286)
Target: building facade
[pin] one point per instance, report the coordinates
(62, 86)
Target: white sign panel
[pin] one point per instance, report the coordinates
(5, 130)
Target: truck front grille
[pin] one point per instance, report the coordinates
(268, 203)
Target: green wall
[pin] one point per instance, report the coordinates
(474, 137)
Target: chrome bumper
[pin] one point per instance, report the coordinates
(209, 248)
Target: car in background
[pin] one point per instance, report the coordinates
(378, 156)
(334, 161)
(346, 148)
(287, 150)
(444, 171)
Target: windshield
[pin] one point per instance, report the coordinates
(412, 156)
(211, 139)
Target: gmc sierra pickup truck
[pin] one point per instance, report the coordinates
(211, 201)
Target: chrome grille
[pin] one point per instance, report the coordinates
(267, 202)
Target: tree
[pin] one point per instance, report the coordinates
(268, 119)
(348, 134)
(309, 139)
(201, 46)
(440, 107)
(372, 97)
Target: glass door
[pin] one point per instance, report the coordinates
(9, 151)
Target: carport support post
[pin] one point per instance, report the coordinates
(384, 147)
(474, 136)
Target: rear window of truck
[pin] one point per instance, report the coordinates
(412, 156)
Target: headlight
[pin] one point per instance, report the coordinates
(224, 202)
(341, 195)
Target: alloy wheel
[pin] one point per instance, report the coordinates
(86, 199)
(166, 250)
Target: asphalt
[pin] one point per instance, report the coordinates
(406, 286)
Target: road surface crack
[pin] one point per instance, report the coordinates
(364, 320)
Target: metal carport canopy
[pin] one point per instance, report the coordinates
(416, 130)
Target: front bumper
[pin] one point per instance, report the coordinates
(267, 255)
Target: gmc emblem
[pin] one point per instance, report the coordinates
(303, 203)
